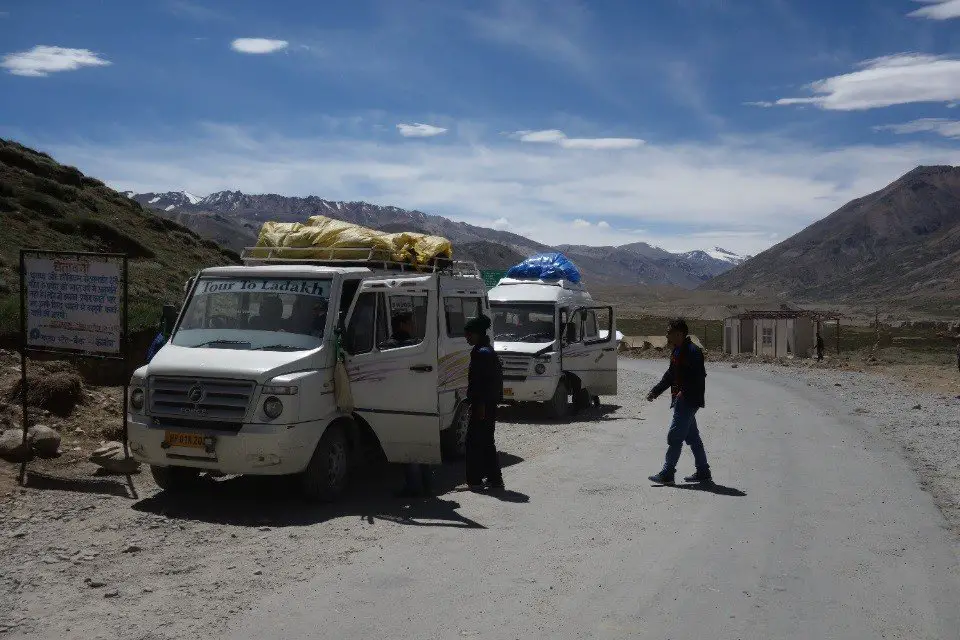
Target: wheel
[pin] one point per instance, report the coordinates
(174, 478)
(558, 407)
(325, 477)
(453, 441)
(581, 400)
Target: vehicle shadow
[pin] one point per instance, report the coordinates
(257, 501)
(533, 413)
(710, 487)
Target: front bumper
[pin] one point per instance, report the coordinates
(256, 449)
(530, 389)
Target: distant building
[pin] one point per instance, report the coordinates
(779, 334)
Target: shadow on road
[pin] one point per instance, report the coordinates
(714, 488)
(256, 501)
(114, 486)
(533, 413)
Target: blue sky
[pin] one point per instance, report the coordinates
(684, 123)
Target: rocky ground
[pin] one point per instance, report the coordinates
(82, 556)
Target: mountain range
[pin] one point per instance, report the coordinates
(233, 219)
(900, 243)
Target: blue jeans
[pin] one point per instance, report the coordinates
(684, 429)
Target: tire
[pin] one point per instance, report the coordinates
(325, 478)
(558, 407)
(174, 479)
(453, 441)
(581, 400)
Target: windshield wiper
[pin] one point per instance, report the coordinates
(278, 347)
(221, 343)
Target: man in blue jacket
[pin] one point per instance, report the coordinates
(168, 317)
(484, 391)
(686, 379)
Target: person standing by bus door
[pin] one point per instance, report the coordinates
(484, 391)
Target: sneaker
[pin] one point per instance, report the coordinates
(702, 477)
(662, 478)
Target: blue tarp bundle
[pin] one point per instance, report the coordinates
(546, 266)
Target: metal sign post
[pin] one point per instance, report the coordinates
(74, 304)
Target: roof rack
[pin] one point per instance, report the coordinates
(368, 257)
(559, 282)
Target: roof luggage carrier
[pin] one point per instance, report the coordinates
(370, 258)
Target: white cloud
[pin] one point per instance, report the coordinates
(942, 126)
(580, 223)
(762, 103)
(891, 80)
(603, 225)
(501, 224)
(547, 135)
(938, 9)
(733, 192)
(43, 60)
(258, 45)
(555, 136)
(419, 130)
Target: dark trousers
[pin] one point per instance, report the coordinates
(684, 429)
(418, 477)
(482, 461)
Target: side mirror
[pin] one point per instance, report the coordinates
(571, 334)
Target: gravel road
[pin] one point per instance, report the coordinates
(821, 528)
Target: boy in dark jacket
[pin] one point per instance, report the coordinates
(686, 379)
(484, 390)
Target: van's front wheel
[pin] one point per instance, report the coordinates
(325, 478)
(174, 478)
(558, 407)
(453, 441)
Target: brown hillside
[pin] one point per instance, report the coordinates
(46, 205)
(900, 244)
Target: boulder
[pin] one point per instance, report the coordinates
(12, 446)
(44, 441)
(110, 458)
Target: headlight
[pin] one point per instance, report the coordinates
(540, 369)
(136, 399)
(272, 407)
(546, 358)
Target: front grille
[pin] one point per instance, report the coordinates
(200, 398)
(197, 425)
(514, 366)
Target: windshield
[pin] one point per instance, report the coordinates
(267, 314)
(523, 322)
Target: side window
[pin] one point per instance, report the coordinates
(347, 294)
(458, 311)
(383, 333)
(359, 335)
(408, 322)
(590, 326)
(571, 331)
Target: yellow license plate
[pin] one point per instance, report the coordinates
(508, 392)
(175, 439)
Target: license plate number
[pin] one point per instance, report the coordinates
(176, 439)
(508, 392)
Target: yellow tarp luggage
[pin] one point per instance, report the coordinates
(322, 233)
